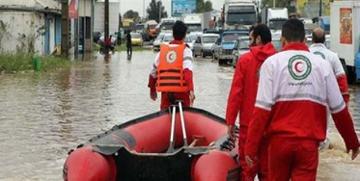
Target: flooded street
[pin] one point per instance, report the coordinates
(43, 116)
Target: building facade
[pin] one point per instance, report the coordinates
(30, 26)
(99, 17)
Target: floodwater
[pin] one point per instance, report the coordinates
(43, 116)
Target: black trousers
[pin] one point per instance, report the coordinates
(129, 50)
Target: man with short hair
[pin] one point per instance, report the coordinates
(243, 93)
(171, 72)
(318, 47)
(295, 89)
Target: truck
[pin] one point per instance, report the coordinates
(274, 18)
(345, 36)
(193, 22)
(238, 13)
(166, 24)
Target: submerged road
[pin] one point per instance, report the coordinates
(43, 116)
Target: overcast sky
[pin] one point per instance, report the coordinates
(137, 5)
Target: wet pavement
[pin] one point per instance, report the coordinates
(43, 116)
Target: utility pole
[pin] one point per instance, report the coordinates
(274, 3)
(159, 10)
(320, 8)
(65, 28)
(106, 28)
(144, 16)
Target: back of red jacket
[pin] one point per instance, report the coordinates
(295, 88)
(245, 82)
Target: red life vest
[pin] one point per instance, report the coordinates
(170, 76)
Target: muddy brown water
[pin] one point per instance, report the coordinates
(43, 116)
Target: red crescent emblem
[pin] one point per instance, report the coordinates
(297, 66)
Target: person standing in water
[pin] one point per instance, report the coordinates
(295, 90)
(128, 45)
(243, 93)
(171, 72)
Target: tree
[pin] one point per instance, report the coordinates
(153, 10)
(202, 6)
(120, 20)
(130, 14)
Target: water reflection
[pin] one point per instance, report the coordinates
(45, 115)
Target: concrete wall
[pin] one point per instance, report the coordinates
(51, 4)
(114, 10)
(22, 32)
(85, 8)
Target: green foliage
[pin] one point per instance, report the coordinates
(153, 10)
(12, 63)
(202, 6)
(130, 14)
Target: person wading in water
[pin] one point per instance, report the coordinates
(171, 72)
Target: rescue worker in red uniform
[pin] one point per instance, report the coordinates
(242, 95)
(318, 48)
(171, 73)
(295, 89)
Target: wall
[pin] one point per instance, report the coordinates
(22, 32)
(85, 8)
(114, 10)
(51, 34)
(85, 14)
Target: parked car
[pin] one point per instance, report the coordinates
(168, 37)
(162, 38)
(224, 47)
(212, 31)
(157, 41)
(216, 48)
(242, 47)
(203, 44)
(136, 39)
(276, 41)
(190, 41)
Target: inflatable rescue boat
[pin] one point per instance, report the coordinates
(179, 144)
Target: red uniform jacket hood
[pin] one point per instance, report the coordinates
(244, 86)
(262, 52)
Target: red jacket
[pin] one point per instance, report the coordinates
(165, 102)
(245, 83)
(297, 108)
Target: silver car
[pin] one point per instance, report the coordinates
(242, 47)
(162, 38)
(203, 45)
(157, 41)
(190, 41)
(168, 37)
